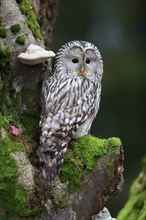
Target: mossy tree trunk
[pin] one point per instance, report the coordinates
(20, 84)
(20, 87)
(93, 170)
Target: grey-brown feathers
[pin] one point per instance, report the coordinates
(70, 101)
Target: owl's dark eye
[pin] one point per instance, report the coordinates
(88, 61)
(74, 60)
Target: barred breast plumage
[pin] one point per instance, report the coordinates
(70, 101)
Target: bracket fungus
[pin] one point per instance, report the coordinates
(34, 55)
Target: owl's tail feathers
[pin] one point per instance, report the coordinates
(52, 163)
(50, 171)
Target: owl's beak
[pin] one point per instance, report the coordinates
(82, 71)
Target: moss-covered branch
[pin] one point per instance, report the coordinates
(82, 158)
(135, 207)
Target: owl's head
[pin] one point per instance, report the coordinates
(79, 59)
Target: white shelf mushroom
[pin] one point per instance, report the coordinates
(34, 55)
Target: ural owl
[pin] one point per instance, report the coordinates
(70, 101)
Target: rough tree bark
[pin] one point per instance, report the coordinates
(46, 12)
(87, 183)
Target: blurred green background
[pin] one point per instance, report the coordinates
(118, 29)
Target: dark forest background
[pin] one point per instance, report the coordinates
(118, 29)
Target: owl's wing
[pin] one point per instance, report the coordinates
(67, 104)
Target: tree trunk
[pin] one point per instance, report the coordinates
(85, 188)
(46, 12)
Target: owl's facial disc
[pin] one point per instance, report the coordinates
(81, 62)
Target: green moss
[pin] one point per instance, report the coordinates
(64, 203)
(11, 195)
(5, 64)
(135, 208)
(15, 28)
(114, 142)
(60, 203)
(20, 40)
(25, 7)
(82, 157)
(13, 200)
(3, 31)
